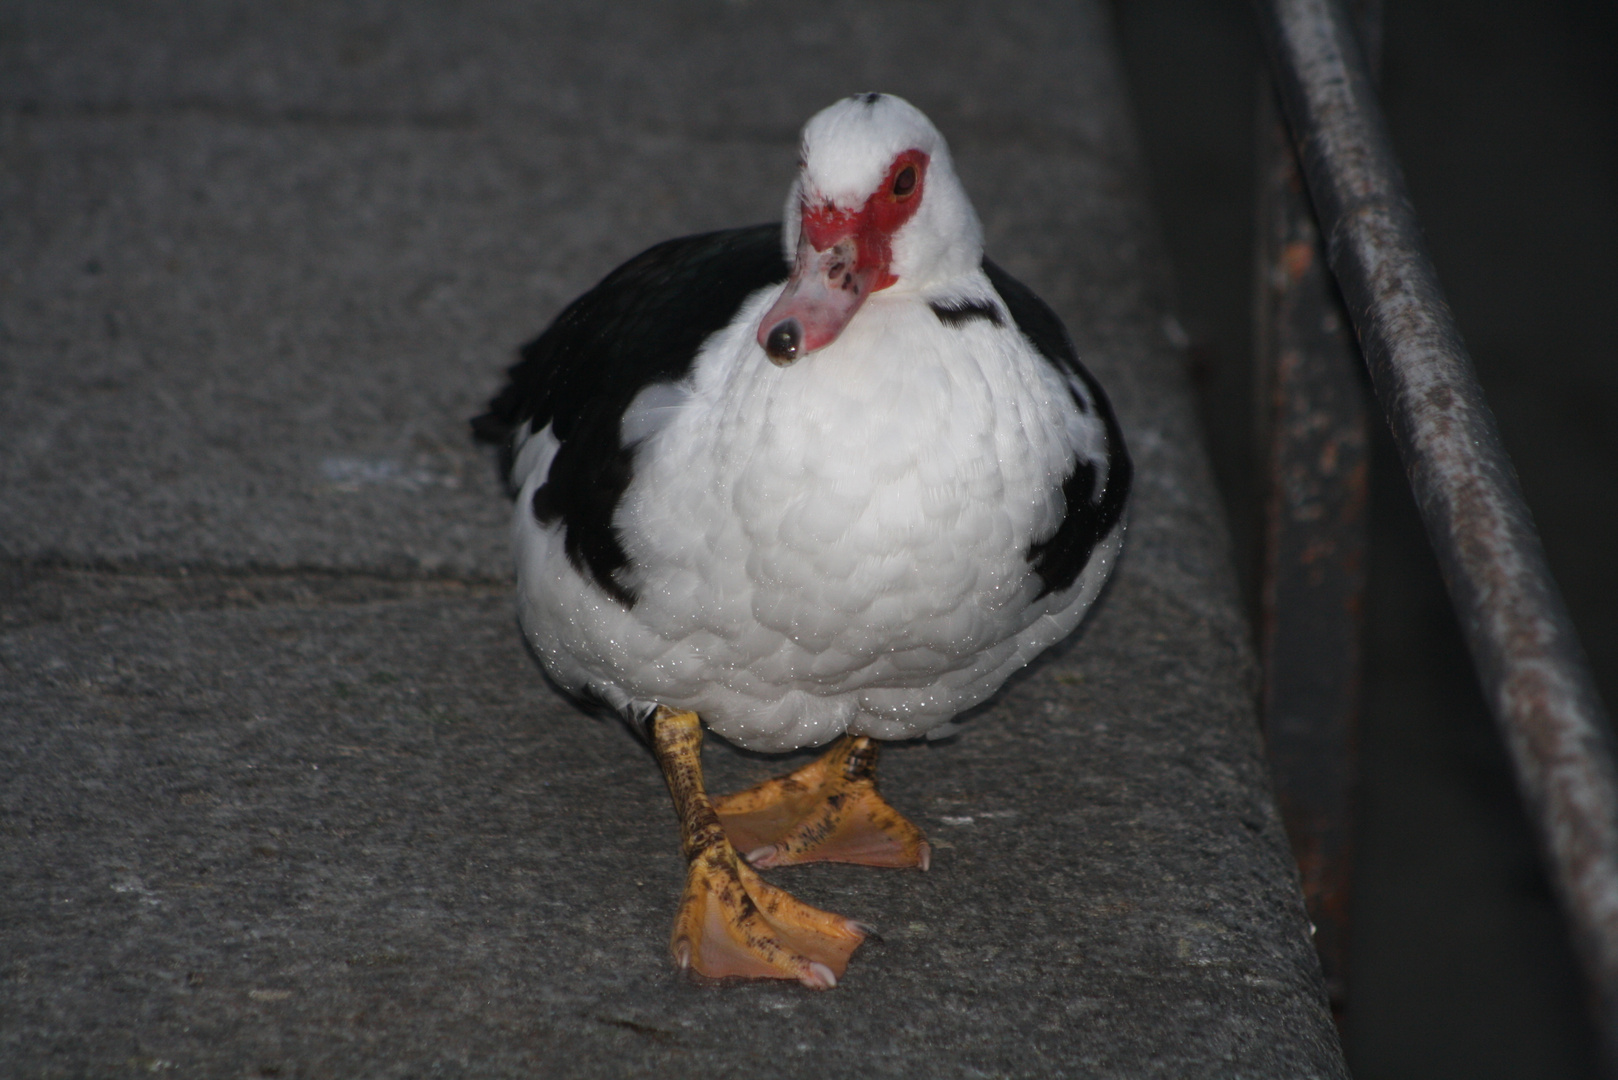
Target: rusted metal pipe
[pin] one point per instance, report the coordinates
(1313, 399)
(1313, 404)
(1528, 659)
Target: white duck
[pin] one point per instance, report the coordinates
(834, 479)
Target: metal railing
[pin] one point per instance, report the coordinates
(1528, 659)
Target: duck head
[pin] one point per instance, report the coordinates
(875, 207)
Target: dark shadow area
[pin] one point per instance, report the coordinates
(1503, 114)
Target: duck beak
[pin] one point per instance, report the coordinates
(829, 282)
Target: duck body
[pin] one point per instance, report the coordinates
(870, 541)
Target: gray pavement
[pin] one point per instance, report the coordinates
(280, 792)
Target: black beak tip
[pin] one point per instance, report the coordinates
(784, 341)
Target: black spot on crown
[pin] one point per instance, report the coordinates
(870, 98)
(642, 324)
(1060, 557)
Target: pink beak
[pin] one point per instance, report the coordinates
(827, 286)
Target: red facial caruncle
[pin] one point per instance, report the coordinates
(843, 256)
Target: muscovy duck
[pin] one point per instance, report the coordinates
(832, 480)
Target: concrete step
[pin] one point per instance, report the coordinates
(282, 793)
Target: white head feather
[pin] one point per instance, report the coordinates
(846, 151)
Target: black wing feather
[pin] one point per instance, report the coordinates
(643, 324)
(1059, 558)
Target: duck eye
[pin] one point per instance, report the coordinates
(905, 182)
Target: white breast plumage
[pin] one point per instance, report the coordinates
(840, 545)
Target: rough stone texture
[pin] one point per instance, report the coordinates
(280, 793)
(299, 837)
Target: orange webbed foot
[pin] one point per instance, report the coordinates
(827, 811)
(731, 923)
(734, 924)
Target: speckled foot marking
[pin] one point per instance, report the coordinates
(731, 922)
(827, 811)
